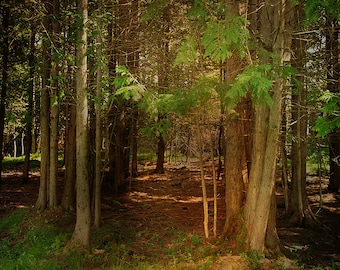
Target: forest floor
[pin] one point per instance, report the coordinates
(156, 205)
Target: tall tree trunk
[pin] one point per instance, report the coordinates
(69, 195)
(234, 159)
(29, 115)
(299, 212)
(54, 106)
(81, 235)
(44, 114)
(98, 138)
(266, 136)
(163, 80)
(5, 51)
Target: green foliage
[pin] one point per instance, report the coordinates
(255, 80)
(222, 37)
(127, 85)
(222, 33)
(315, 9)
(253, 260)
(28, 242)
(331, 114)
(203, 90)
(11, 222)
(154, 9)
(187, 52)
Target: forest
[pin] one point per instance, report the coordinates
(163, 134)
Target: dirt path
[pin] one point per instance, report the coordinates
(161, 203)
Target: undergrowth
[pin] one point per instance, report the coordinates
(36, 240)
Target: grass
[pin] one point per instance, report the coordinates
(12, 163)
(36, 240)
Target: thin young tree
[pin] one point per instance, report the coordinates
(30, 107)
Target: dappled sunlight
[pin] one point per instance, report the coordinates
(137, 196)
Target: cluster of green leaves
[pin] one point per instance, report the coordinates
(331, 114)
(315, 8)
(256, 80)
(222, 33)
(127, 85)
(222, 37)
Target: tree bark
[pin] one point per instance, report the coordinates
(41, 203)
(54, 107)
(81, 235)
(29, 115)
(160, 155)
(204, 187)
(266, 136)
(163, 81)
(98, 138)
(69, 195)
(234, 159)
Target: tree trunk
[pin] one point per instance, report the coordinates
(234, 166)
(98, 138)
(44, 115)
(81, 235)
(134, 143)
(234, 158)
(54, 107)
(29, 115)
(266, 136)
(160, 155)
(69, 195)
(4, 79)
(204, 187)
(163, 81)
(299, 213)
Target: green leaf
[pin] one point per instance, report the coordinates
(221, 37)
(256, 80)
(131, 92)
(187, 52)
(122, 70)
(330, 119)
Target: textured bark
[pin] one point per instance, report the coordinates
(29, 116)
(234, 166)
(81, 235)
(69, 195)
(44, 115)
(54, 107)
(258, 208)
(163, 80)
(235, 159)
(98, 137)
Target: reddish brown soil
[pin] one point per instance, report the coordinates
(173, 201)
